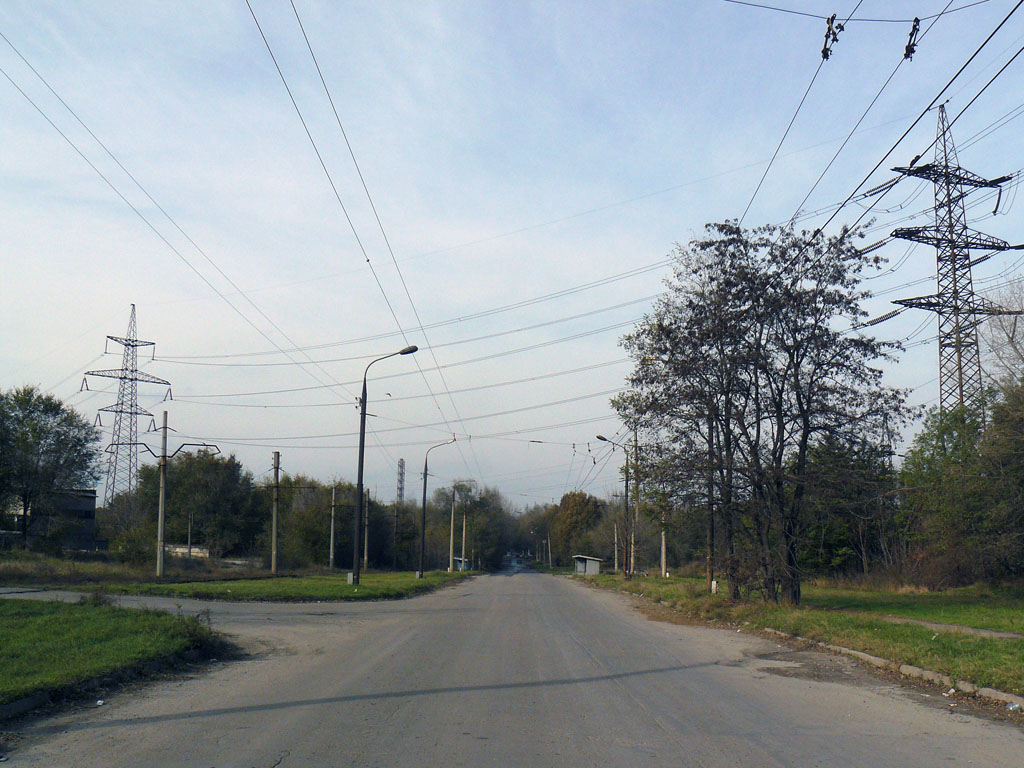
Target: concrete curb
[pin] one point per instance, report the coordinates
(908, 670)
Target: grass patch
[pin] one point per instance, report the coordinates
(18, 567)
(52, 647)
(997, 608)
(985, 661)
(372, 586)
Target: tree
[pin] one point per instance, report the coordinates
(212, 496)
(743, 365)
(44, 447)
(578, 514)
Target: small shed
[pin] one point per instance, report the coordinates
(586, 565)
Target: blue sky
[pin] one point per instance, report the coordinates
(512, 150)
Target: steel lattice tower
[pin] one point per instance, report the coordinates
(959, 310)
(123, 451)
(401, 482)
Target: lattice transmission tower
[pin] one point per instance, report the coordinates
(401, 482)
(960, 311)
(123, 451)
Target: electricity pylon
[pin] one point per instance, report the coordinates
(123, 451)
(959, 309)
(400, 494)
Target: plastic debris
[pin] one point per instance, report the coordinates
(100, 703)
(1013, 706)
(950, 692)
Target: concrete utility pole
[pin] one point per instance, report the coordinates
(331, 556)
(162, 503)
(664, 566)
(273, 519)
(451, 537)
(636, 500)
(463, 537)
(549, 551)
(366, 530)
(615, 532)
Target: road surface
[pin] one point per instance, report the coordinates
(514, 669)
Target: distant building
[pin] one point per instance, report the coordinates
(67, 518)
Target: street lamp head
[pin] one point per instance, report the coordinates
(409, 350)
(602, 437)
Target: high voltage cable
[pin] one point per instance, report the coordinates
(495, 355)
(506, 436)
(478, 388)
(451, 321)
(348, 218)
(455, 343)
(864, 114)
(156, 204)
(150, 225)
(792, 120)
(384, 235)
(794, 12)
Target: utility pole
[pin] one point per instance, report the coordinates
(615, 533)
(366, 529)
(636, 500)
(451, 537)
(463, 536)
(709, 565)
(273, 519)
(162, 505)
(664, 564)
(331, 556)
(549, 551)
(958, 309)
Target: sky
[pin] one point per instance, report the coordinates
(503, 186)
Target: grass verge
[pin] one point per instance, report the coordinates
(53, 647)
(996, 608)
(372, 586)
(985, 661)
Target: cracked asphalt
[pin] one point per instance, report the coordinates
(516, 668)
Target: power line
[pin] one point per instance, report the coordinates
(793, 12)
(457, 342)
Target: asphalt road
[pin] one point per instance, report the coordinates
(519, 669)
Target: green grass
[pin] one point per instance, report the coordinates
(985, 661)
(50, 646)
(997, 608)
(373, 586)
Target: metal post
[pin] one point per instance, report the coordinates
(331, 560)
(423, 518)
(163, 501)
(451, 537)
(273, 519)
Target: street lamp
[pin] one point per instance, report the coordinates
(627, 564)
(423, 510)
(360, 501)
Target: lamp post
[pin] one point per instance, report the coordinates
(423, 509)
(360, 501)
(627, 566)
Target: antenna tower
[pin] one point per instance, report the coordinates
(401, 482)
(123, 451)
(959, 309)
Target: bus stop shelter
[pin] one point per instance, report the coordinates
(586, 565)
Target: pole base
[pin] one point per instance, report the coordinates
(419, 574)
(351, 578)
